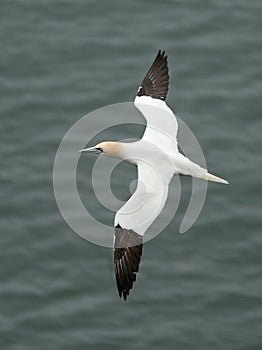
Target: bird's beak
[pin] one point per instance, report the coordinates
(90, 150)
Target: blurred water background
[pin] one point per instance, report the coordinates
(60, 60)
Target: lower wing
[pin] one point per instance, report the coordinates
(132, 221)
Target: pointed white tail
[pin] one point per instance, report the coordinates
(187, 167)
(214, 178)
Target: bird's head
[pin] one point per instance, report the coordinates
(113, 149)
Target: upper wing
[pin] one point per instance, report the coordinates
(133, 219)
(155, 83)
(150, 100)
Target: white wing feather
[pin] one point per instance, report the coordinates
(162, 124)
(149, 198)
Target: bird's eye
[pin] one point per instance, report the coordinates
(99, 149)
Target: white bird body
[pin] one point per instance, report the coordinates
(157, 159)
(155, 170)
(156, 167)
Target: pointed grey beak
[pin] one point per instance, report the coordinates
(91, 150)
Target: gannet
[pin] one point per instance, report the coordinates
(157, 158)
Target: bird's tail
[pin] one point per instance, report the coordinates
(187, 167)
(201, 173)
(211, 177)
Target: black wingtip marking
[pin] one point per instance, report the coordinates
(155, 83)
(127, 256)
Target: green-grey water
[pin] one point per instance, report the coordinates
(60, 60)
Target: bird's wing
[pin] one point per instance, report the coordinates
(150, 100)
(155, 83)
(133, 219)
(138, 213)
(127, 255)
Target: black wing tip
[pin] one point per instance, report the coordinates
(123, 293)
(128, 249)
(156, 81)
(162, 54)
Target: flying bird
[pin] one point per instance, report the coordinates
(157, 158)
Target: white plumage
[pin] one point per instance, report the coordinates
(157, 159)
